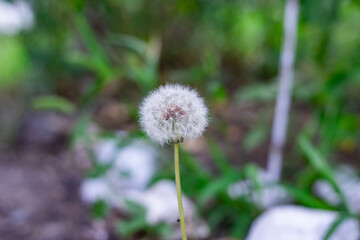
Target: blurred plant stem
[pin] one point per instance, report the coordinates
(283, 100)
(178, 188)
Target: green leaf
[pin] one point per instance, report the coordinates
(217, 91)
(97, 56)
(251, 172)
(163, 229)
(334, 226)
(321, 165)
(126, 228)
(217, 187)
(257, 93)
(220, 159)
(137, 221)
(315, 158)
(133, 43)
(98, 169)
(54, 103)
(255, 137)
(193, 165)
(13, 62)
(135, 208)
(216, 215)
(99, 209)
(241, 226)
(304, 197)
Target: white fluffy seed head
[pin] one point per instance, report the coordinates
(173, 113)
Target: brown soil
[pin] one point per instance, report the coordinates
(39, 198)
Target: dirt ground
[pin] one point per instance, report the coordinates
(39, 198)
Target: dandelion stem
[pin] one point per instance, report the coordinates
(178, 188)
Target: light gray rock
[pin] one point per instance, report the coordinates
(133, 167)
(160, 202)
(349, 184)
(270, 193)
(300, 223)
(15, 16)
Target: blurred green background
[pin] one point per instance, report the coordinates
(92, 62)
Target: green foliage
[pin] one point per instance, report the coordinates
(80, 54)
(316, 160)
(98, 170)
(255, 137)
(13, 62)
(211, 192)
(304, 197)
(334, 226)
(51, 103)
(99, 209)
(322, 167)
(137, 223)
(219, 159)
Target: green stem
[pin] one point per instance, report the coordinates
(178, 188)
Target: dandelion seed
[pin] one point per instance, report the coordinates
(173, 113)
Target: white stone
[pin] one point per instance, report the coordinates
(92, 190)
(133, 166)
(15, 16)
(268, 195)
(349, 184)
(300, 223)
(160, 202)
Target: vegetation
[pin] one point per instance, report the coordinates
(83, 55)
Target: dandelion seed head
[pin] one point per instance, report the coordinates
(172, 113)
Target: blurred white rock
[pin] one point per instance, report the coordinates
(107, 150)
(160, 202)
(134, 164)
(349, 183)
(268, 195)
(15, 17)
(133, 167)
(300, 223)
(95, 189)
